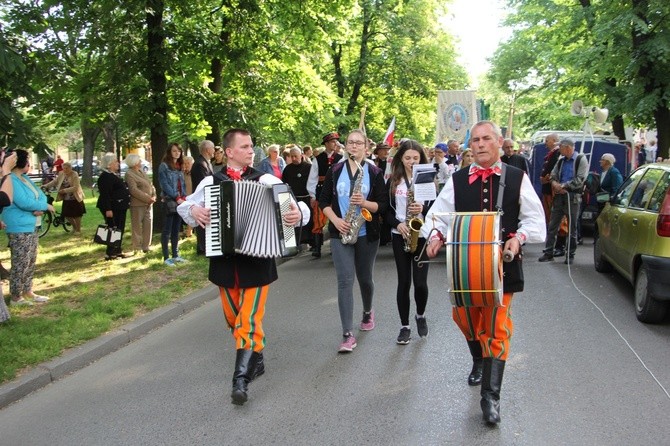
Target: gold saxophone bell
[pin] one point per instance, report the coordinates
(414, 230)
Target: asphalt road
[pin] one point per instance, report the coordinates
(571, 378)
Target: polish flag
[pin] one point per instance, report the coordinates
(388, 138)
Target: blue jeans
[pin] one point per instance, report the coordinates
(171, 227)
(350, 260)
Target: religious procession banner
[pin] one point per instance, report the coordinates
(456, 113)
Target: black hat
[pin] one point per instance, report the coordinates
(330, 136)
(381, 146)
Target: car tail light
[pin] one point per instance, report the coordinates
(663, 221)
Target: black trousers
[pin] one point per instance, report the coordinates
(118, 221)
(408, 273)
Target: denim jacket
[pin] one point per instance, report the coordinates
(170, 181)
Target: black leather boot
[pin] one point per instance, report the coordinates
(242, 376)
(318, 241)
(491, 383)
(258, 365)
(475, 377)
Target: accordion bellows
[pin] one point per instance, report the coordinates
(246, 218)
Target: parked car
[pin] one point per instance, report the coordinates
(146, 167)
(78, 166)
(633, 237)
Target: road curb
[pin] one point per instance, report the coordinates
(79, 357)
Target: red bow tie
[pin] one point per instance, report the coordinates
(234, 174)
(477, 171)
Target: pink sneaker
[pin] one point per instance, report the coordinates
(348, 344)
(368, 322)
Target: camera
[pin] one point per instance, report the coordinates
(4, 153)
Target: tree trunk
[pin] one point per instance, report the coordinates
(215, 86)
(363, 53)
(618, 127)
(89, 134)
(662, 117)
(109, 135)
(155, 75)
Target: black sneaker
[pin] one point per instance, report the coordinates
(559, 252)
(404, 336)
(421, 326)
(546, 257)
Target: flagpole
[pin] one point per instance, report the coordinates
(361, 123)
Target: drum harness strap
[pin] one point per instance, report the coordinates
(501, 189)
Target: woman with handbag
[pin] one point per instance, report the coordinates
(173, 193)
(142, 198)
(71, 194)
(7, 163)
(23, 219)
(113, 201)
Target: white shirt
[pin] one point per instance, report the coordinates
(198, 197)
(401, 204)
(532, 224)
(651, 154)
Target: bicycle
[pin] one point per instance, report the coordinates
(55, 219)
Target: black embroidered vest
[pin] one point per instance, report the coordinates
(482, 196)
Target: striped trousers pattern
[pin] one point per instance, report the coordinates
(491, 326)
(244, 309)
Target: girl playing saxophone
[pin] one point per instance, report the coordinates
(401, 211)
(353, 188)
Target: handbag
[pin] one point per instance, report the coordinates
(171, 206)
(108, 236)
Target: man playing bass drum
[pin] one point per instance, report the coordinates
(488, 329)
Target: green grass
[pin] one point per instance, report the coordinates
(89, 296)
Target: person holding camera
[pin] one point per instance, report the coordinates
(6, 192)
(23, 219)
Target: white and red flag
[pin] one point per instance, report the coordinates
(388, 138)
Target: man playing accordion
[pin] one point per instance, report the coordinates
(488, 329)
(243, 280)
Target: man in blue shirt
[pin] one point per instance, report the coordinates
(567, 183)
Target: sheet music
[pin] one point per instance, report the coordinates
(423, 182)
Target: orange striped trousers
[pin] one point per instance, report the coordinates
(491, 326)
(244, 309)
(319, 219)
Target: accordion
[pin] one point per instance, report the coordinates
(246, 218)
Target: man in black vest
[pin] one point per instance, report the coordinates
(317, 174)
(202, 167)
(488, 329)
(243, 281)
(296, 174)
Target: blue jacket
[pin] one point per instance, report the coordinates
(169, 181)
(19, 215)
(266, 167)
(612, 181)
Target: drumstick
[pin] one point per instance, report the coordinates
(508, 256)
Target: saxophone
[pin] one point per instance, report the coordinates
(352, 216)
(413, 224)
